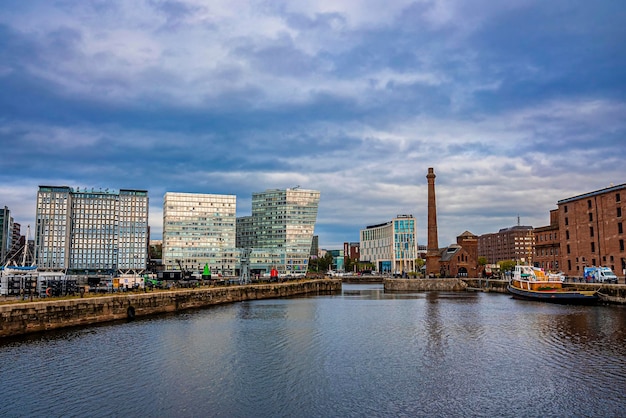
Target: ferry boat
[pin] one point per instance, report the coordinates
(532, 283)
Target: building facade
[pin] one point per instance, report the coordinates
(352, 255)
(460, 259)
(198, 230)
(591, 229)
(391, 246)
(547, 245)
(516, 243)
(91, 231)
(245, 232)
(279, 233)
(6, 234)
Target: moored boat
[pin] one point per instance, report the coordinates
(532, 283)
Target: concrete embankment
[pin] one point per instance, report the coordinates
(609, 293)
(27, 317)
(486, 285)
(424, 285)
(363, 279)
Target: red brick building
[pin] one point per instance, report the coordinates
(547, 245)
(460, 259)
(591, 230)
(515, 243)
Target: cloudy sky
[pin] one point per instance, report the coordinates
(516, 104)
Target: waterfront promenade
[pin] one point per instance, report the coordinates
(42, 315)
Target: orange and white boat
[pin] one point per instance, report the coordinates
(532, 283)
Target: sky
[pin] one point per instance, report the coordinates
(515, 104)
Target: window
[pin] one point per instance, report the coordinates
(568, 251)
(567, 220)
(589, 204)
(593, 248)
(565, 208)
(591, 231)
(619, 212)
(566, 234)
(621, 245)
(617, 197)
(590, 217)
(620, 228)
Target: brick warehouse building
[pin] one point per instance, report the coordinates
(591, 230)
(547, 244)
(515, 243)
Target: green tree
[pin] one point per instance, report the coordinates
(324, 263)
(348, 264)
(419, 263)
(506, 265)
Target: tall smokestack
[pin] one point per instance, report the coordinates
(432, 250)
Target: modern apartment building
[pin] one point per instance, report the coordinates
(390, 246)
(200, 229)
(516, 243)
(591, 228)
(91, 230)
(280, 230)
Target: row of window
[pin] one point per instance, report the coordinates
(618, 213)
(593, 247)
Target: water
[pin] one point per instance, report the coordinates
(363, 352)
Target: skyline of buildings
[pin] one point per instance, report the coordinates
(108, 230)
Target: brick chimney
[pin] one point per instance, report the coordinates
(432, 249)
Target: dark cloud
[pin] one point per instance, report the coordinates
(514, 104)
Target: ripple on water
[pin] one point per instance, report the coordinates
(363, 353)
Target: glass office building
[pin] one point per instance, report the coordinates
(91, 230)
(391, 246)
(6, 234)
(280, 230)
(199, 229)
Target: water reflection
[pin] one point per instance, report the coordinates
(363, 352)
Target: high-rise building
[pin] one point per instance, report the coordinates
(199, 229)
(280, 229)
(91, 230)
(6, 234)
(245, 232)
(391, 246)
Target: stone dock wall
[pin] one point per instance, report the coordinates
(609, 293)
(26, 317)
(424, 285)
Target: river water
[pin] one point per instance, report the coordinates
(359, 353)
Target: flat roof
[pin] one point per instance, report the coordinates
(595, 193)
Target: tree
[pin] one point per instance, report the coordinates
(506, 265)
(325, 262)
(348, 264)
(419, 263)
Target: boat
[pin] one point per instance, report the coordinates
(532, 283)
